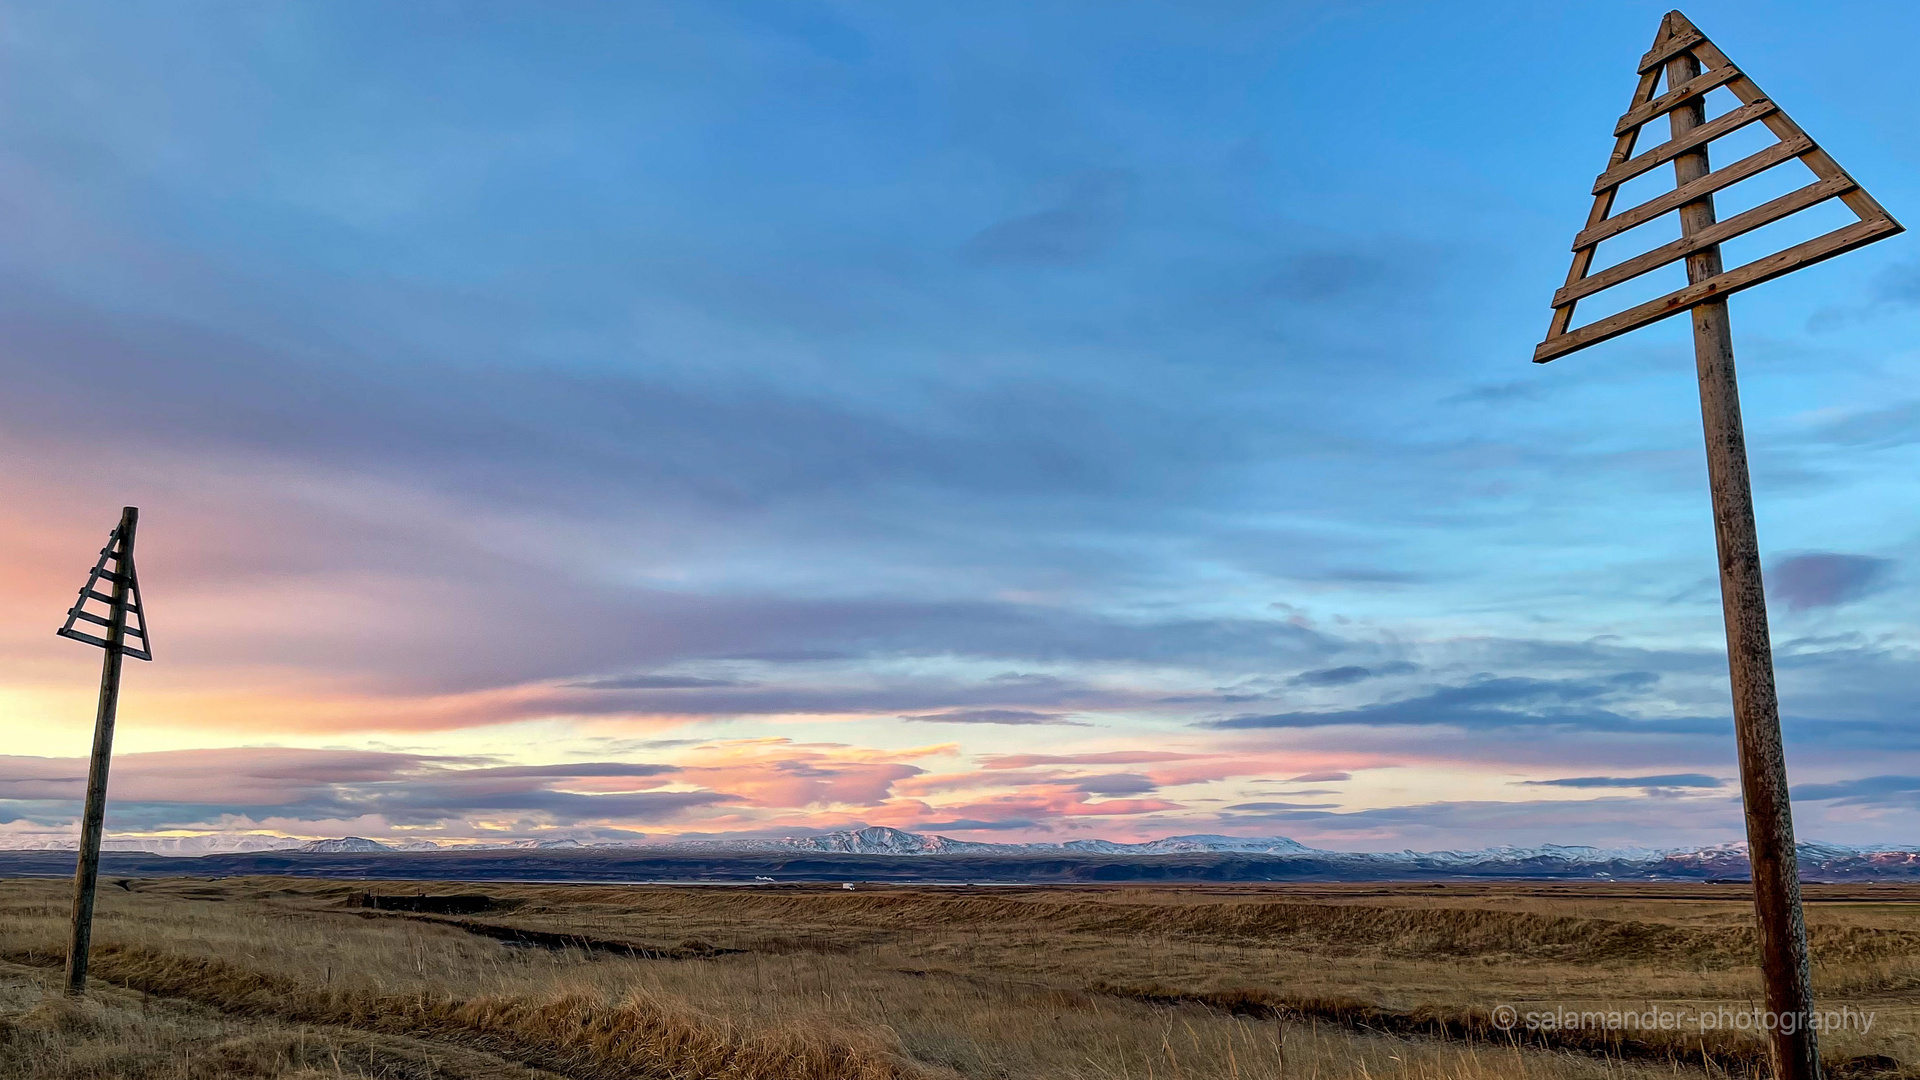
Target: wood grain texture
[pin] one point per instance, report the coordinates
(1674, 43)
(1726, 176)
(1784, 963)
(1679, 41)
(1782, 125)
(1765, 214)
(93, 816)
(1603, 202)
(1837, 242)
(1659, 106)
(1725, 124)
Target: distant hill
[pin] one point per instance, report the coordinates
(881, 840)
(882, 854)
(873, 840)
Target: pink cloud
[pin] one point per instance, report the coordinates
(1106, 757)
(779, 773)
(258, 776)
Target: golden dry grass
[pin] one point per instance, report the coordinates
(293, 978)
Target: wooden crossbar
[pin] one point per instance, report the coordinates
(1603, 201)
(135, 625)
(1670, 48)
(81, 635)
(1837, 242)
(1751, 165)
(1765, 214)
(1672, 99)
(88, 616)
(1729, 122)
(1680, 40)
(1782, 125)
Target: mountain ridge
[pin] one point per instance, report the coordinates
(1727, 859)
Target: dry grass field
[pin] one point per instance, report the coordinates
(285, 978)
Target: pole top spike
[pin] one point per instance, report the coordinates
(1677, 23)
(1666, 31)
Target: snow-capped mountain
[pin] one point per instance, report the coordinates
(873, 840)
(1255, 858)
(1571, 854)
(360, 844)
(1180, 845)
(344, 845)
(206, 844)
(1817, 861)
(188, 846)
(881, 840)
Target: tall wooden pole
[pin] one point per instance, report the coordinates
(93, 818)
(1756, 709)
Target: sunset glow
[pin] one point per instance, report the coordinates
(693, 419)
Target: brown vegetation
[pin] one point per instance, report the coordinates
(301, 978)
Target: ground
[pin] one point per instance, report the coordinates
(286, 977)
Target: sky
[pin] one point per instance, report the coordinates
(1016, 422)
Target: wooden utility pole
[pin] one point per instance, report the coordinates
(1750, 654)
(123, 602)
(1784, 963)
(1693, 67)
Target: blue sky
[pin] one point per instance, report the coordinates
(1083, 420)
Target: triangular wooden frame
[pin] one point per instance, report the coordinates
(1678, 36)
(136, 617)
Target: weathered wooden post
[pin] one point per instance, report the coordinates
(124, 618)
(1693, 66)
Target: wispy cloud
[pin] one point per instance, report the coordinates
(1348, 674)
(651, 682)
(1891, 791)
(1668, 780)
(1822, 579)
(1492, 702)
(1017, 717)
(1027, 399)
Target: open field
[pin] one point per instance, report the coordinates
(285, 977)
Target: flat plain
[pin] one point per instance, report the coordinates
(308, 978)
